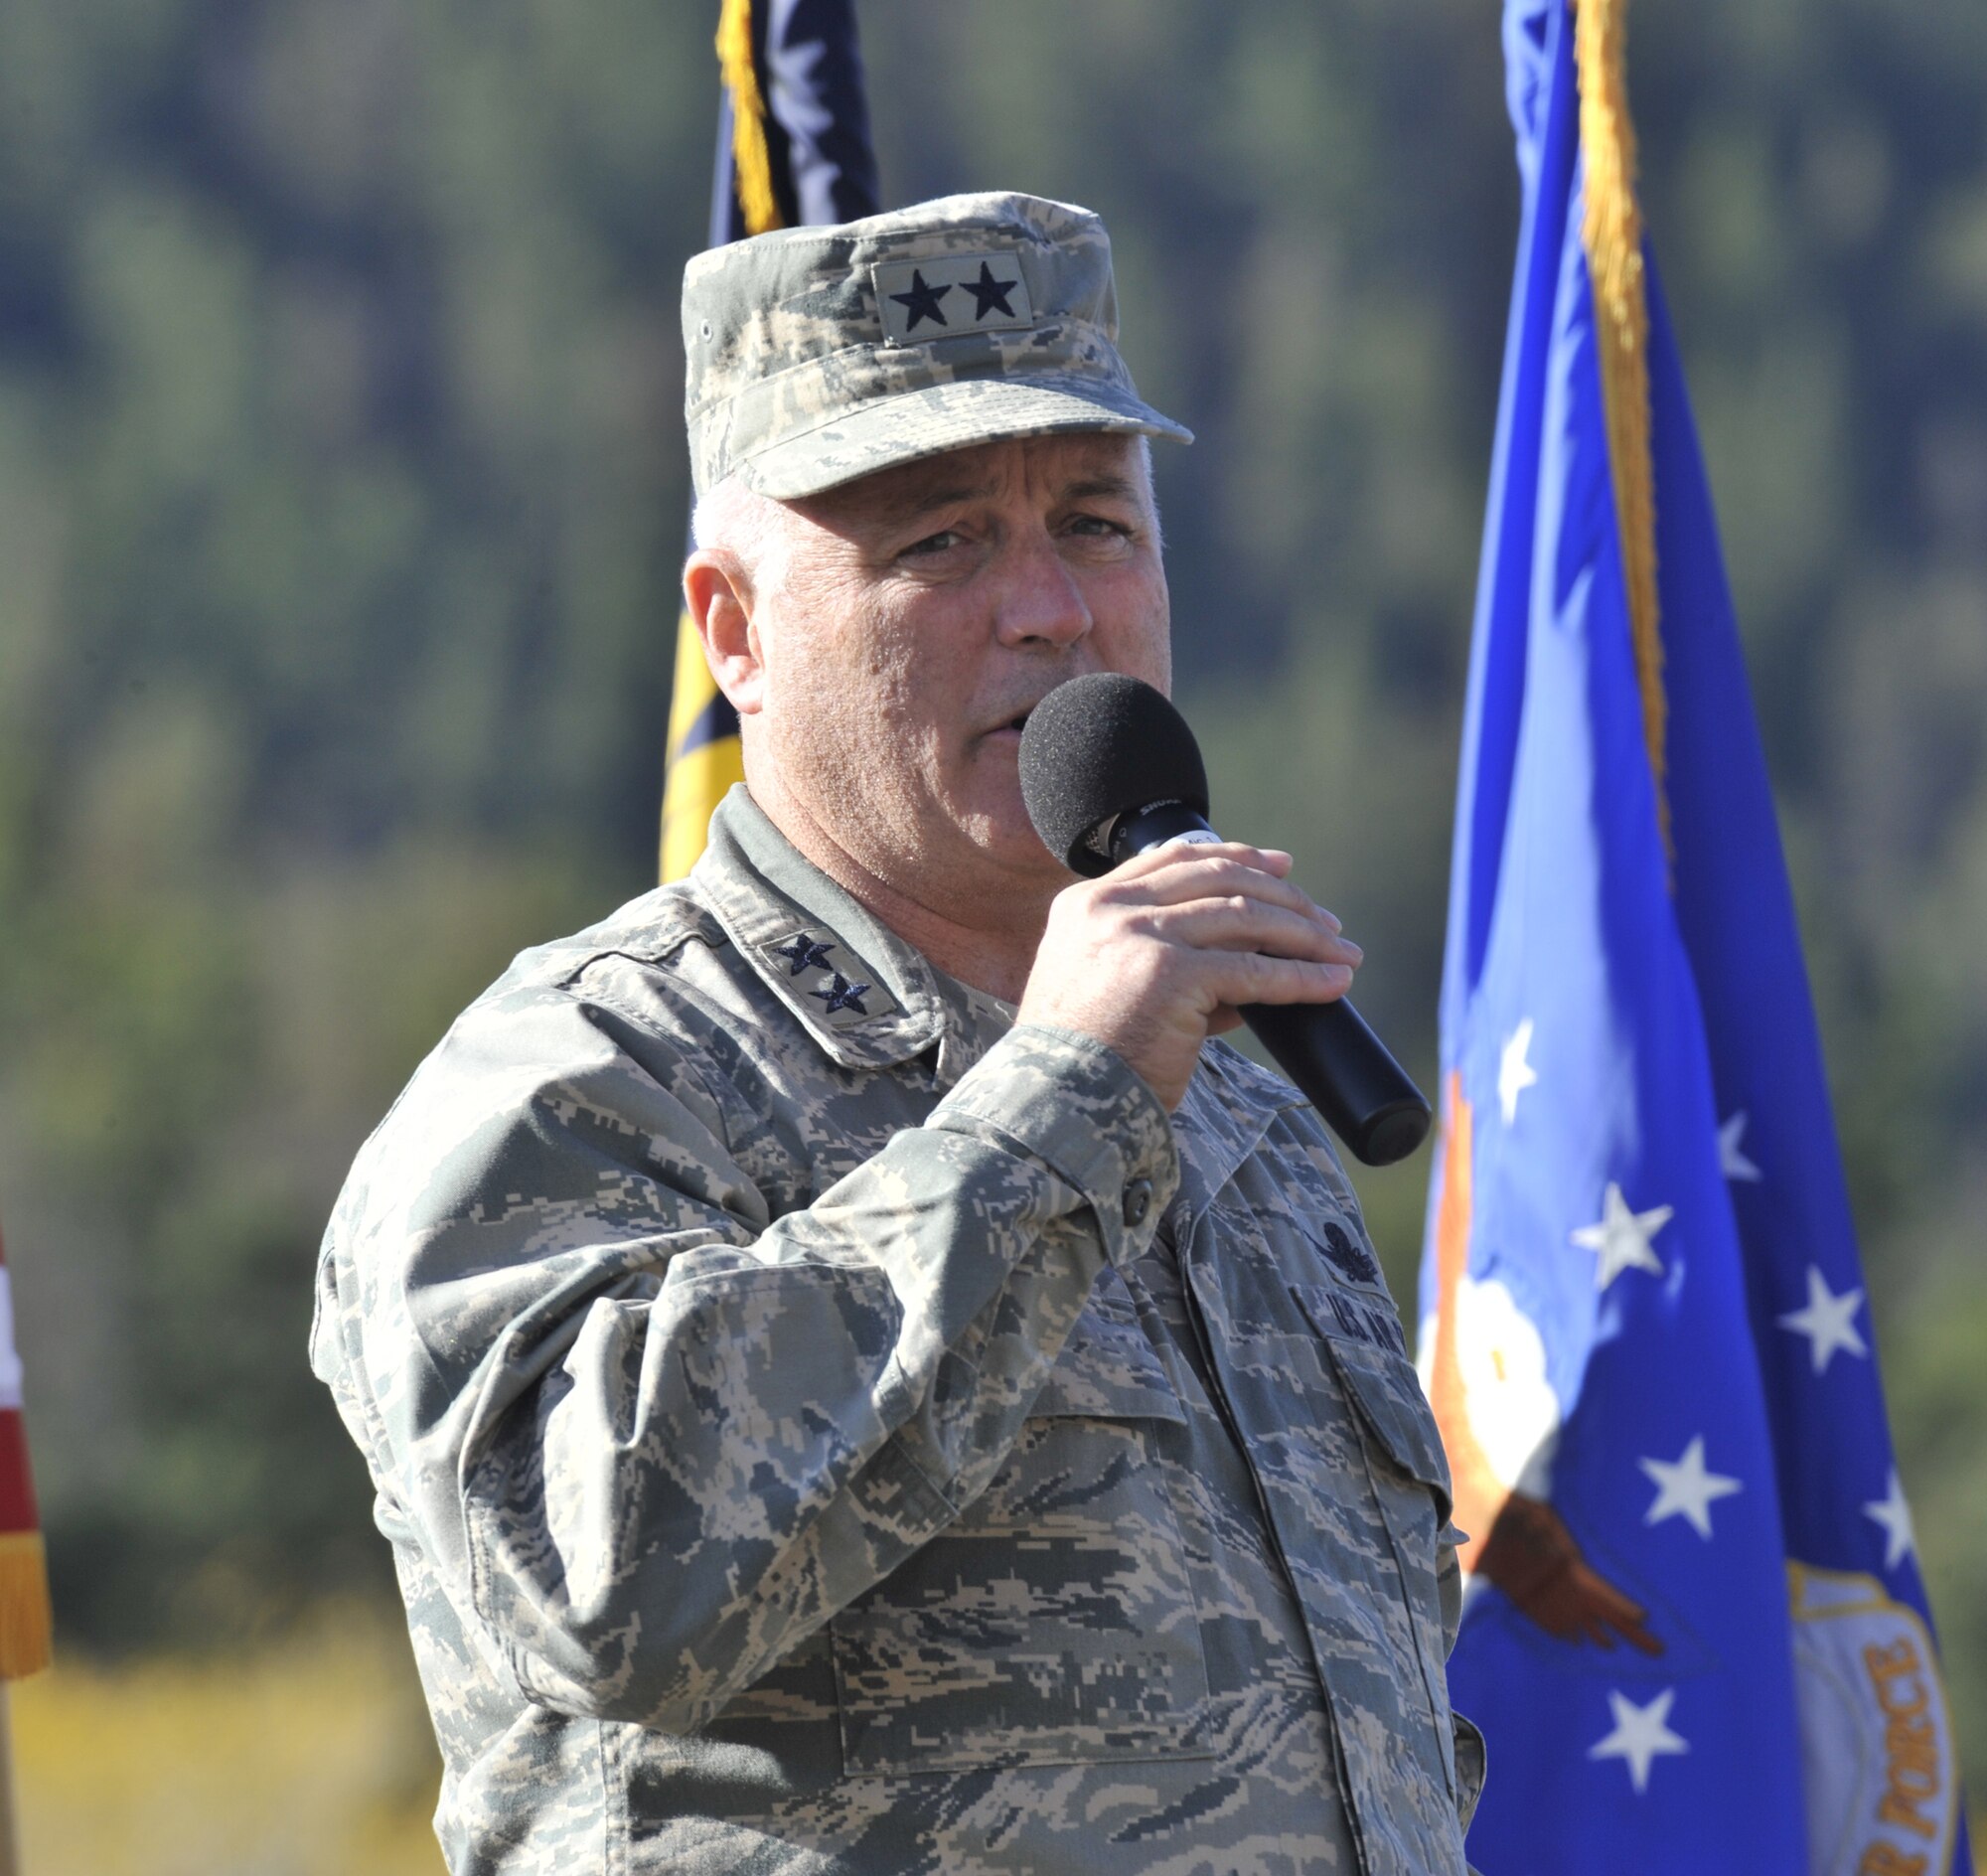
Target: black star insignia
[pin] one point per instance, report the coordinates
(923, 301)
(989, 292)
(806, 954)
(841, 995)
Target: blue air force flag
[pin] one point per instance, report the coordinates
(1696, 1634)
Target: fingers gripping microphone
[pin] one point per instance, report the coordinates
(1108, 769)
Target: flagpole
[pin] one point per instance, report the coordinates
(10, 1836)
(26, 1622)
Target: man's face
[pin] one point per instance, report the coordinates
(917, 615)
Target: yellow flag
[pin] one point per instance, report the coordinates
(788, 152)
(705, 757)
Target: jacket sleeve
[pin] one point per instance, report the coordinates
(651, 1439)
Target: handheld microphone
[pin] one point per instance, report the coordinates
(1108, 769)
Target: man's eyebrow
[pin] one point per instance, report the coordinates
(1103, 483)
(924, 498)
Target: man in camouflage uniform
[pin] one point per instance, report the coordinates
(855, 1379)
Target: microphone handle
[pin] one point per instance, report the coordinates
(1347, 1073)
(1328, 1049)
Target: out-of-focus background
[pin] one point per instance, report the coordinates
(342, 490)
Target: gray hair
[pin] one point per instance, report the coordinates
(733, 516)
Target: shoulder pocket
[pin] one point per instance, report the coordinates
(1410, 1478)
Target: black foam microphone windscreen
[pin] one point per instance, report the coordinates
(1098, 747)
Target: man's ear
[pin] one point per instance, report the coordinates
(718, 592)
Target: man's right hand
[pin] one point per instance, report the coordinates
(1157, 955)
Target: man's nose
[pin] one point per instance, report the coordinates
(1039, 597)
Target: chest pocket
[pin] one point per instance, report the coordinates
(1407, 1469)
(1052, 1622)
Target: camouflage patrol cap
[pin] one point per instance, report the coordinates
(817, 355)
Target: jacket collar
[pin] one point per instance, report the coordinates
(866, 997)
(871, 1000)
(1231, 1104)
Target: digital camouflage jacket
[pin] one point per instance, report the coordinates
(824, 1428)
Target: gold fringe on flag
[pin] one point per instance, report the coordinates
(751, 161)
(1611, 232)
(26, 1621)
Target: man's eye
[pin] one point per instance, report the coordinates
(1100, 526)
(939, 543)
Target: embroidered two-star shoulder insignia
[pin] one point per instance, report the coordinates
(836, 995)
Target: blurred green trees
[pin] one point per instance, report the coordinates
(340, 492)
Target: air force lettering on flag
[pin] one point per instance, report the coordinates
(1696, 1636)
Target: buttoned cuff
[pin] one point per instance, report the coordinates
(1079, 1107)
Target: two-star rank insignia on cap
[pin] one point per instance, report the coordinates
(950, 295)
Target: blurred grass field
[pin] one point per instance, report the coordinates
(310, 1756)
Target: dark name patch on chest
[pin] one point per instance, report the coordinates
(1354, 1317)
